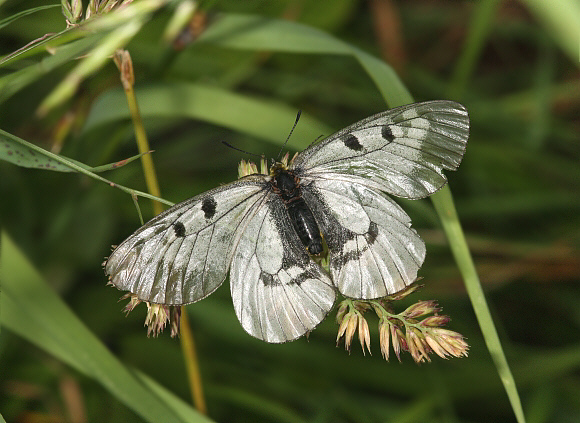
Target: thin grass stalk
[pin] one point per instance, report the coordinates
(483, 18)
(445, 208)
(192, 363)
(123, 61)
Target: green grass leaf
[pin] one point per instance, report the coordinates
(30, 155)
(13, 18)
(23, 153)
(443, 202)
(31, 309)
(210, 104)
(13, 82)
(562, 20)
(259, 33)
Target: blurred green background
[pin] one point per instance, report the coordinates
(514, 64)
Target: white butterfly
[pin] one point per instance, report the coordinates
(265, 229)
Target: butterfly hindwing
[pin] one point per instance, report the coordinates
(183, 254)
(279, 293)
(401, 151)
(373, 251)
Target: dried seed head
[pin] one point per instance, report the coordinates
(157, 318)
(361, 305)
(417, 349)
(350, 329)
(175, 320)
(342, 328)
(421, 308)
(397, 339)
(435, 346)
(435, 321)
(133, 302)
(451, 341)
(364, 334)
(341, 312)
(384, 337)
(407, 291)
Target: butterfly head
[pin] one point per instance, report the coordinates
(283, 164)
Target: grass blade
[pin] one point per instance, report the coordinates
(16, 16)
(22, 153)
(35, 312)
(443, 202)
(210, 104)
(59, 163)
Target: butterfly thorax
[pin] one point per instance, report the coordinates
(287, 185)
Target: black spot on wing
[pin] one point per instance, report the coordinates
(387, 134)
(268, 280)
(179, 229)
(352, 255)
(371, 235)
(299, 279)
(352, 142)
(208, 207)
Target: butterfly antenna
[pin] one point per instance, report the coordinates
(290, 134)
(240, 150)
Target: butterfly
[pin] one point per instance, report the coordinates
(268, 229)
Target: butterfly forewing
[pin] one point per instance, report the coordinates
(401, 151)
(184, 254)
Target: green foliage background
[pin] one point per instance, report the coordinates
(515, 65)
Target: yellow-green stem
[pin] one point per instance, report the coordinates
(191, 363)
(143, 146)
(445, 207)
(123, 61)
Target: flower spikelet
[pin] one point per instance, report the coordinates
(404, 331)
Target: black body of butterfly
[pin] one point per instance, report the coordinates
(264, 229)
(287, 185)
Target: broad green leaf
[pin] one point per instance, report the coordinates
(210, 104)
(259, 33)
(32, 310)
(562, 20)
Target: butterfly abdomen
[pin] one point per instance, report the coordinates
(287, 185)
(305, 225)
